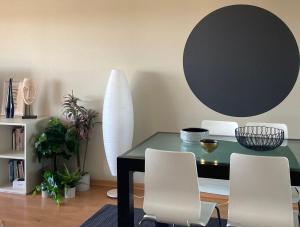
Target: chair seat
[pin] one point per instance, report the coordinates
(214, 186)
(233, 224)
(207, 208)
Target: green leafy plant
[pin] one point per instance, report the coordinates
(51, 185)
(82, 121)
(69, 179)
(54, 142)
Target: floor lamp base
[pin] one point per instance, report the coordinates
(113, 193)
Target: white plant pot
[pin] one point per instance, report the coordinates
(45, 194)
(84, 183)
(70, 192)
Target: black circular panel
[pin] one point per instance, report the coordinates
(241, 60)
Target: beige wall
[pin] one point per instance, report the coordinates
(73, 44)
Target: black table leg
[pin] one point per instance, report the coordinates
(125, 195)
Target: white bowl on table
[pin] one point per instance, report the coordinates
(193, 135)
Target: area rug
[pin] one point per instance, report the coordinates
(107, 216)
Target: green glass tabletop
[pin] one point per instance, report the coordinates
(221, 155)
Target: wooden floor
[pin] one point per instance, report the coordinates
(31, 211)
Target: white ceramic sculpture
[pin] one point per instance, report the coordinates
(118, 121)
(29, 96)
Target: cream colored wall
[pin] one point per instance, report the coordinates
(72, 45)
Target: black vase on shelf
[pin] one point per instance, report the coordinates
(10, 108)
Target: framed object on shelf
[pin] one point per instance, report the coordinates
(17, 95)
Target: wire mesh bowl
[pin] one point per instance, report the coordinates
(259, 138)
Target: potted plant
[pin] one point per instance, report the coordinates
(82, 122)
(50, 187)
(69, 180)
(43, 187)
(52, 143)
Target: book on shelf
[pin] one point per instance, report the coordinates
(18, 139)
(10, 170)
(15, 169)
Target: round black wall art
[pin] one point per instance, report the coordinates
(241, 60)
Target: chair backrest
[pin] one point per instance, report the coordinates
(171, 186)
(260, 191)
(274, 125)
(220, 128)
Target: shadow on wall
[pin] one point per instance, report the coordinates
(94, 103)
(56, 95)
(154, 106)
(49, 97)
(96, 163)
(42, 102)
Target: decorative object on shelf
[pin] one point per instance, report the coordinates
(209, 145)
(50, 186)
(118, 121)
(193, 135)
(259, 138)
(10, 108)
(17, 97)
(82, 121)
(29, 96)
(69, 180)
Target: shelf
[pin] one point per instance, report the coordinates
(18, 121)
(32, 168)
(9, 189)
(13, 155)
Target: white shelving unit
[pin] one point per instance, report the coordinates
(32, 166)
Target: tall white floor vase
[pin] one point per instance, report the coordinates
(117, 121)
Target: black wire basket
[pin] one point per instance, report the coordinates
(259, 138)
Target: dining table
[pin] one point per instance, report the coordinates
(215, 165)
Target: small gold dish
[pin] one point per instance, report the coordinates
(209, 145)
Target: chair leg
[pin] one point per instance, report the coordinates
(298, 211)
(147, 218)
(298, 206)
(219, 216)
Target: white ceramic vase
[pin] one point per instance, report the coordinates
(70, 192)
(118, 120)
(84, 183)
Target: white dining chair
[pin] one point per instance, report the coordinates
(260, 192)
(217, 128)
(171, 190)
(220, 128)
(295, 190)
